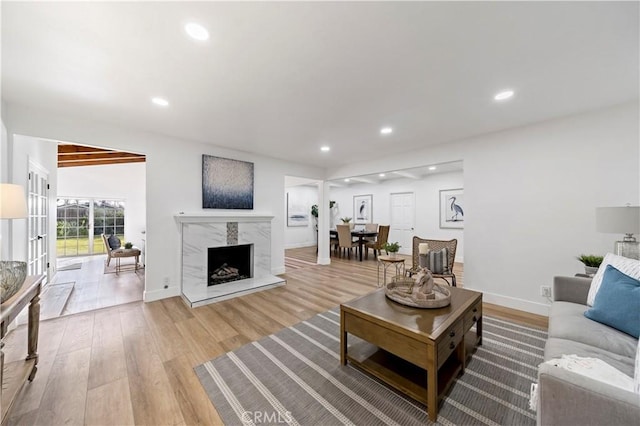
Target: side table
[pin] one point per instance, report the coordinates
(20, 371)
(385, 262)
(585, 275)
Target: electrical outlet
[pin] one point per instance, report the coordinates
(545, 291)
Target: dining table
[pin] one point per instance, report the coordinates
(362, 235)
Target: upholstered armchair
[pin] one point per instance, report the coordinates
(113, 249)
(435, 246)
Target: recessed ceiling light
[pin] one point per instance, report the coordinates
(432, 168)
(381, 175)
(325, 149)
(196, 31)
(386, 130)
(347, 180)
(502, 96)
(160, 101)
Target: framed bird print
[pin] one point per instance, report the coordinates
(362, 208)
(452, 208)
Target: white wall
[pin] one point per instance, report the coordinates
(173, 176)
(4, 178)
(531, 195)
(427, 201)
(301, 236)
(114, 181)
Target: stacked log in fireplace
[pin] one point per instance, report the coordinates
(225, 274)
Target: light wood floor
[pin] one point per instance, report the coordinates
(133, 364)
(89, 287)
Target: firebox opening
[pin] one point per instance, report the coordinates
(229, 263)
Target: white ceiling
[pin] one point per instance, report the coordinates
(282, 79)
(414, 173)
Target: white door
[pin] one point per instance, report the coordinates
(402, 220)
(38, 244)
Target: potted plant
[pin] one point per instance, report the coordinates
(591, 263)
(391, 249)
(314, 210)
(345, 220)
(128, 245)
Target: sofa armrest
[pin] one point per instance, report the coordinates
(571, 289)
(567, 398)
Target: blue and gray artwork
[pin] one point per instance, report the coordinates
(226, 183)
(457, 214)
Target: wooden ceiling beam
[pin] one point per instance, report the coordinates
(100, 162)
(78, 155)
(77, 149)
(98, 156)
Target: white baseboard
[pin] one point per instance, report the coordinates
(514, 303)
(164, 293)
(300, 245)
(324, 261)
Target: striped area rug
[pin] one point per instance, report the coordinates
(295, 377)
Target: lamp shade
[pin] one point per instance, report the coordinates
(618, 220)
(13, 204)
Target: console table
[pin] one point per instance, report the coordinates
(20, 371)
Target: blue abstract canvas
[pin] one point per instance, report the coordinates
(226, 183)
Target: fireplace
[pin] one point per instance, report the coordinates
(229, 263)
(202, 232)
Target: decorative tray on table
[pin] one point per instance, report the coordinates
(406, 291)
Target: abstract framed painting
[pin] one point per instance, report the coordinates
(362, 208)
(297, 213)
(226, 183)
(452, 208)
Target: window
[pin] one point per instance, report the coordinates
(81, 221)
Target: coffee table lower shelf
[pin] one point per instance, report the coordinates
(402, 375)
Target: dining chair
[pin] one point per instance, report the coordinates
(435, 246)
(378, 244)
(370, 227)
(344, 239)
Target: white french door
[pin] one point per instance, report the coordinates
(402, 220)
(38, 225)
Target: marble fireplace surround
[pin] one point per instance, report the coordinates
(199, 232)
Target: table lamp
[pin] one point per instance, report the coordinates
(621, 220)
(13, 205)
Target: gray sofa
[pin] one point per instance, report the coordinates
(566, 398)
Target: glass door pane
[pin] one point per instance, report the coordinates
(72, 230)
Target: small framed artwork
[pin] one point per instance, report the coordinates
(452, 208)
(297, 214)
(362, 208)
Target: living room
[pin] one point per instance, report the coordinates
(536, 167)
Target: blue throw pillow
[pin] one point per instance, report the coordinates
(114, 242)
(617, 303)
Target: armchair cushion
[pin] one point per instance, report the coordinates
(114, 242)
(437, 261)
(617, 303)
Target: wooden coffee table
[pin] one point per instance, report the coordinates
(417, 351)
